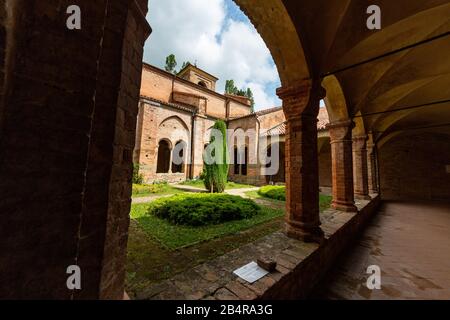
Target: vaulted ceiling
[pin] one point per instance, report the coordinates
(375, 74)
(405, 65)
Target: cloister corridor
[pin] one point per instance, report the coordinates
(409, 242)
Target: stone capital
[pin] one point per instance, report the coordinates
(341, 124)
(360, 138)
(370, 145)
(340, 131)
(301, 98)
(359, 142)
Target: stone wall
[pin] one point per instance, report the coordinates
(414, 166)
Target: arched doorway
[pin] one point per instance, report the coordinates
(163, 164)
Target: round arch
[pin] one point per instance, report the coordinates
(359, 129)
(335, 101)
(276, 28)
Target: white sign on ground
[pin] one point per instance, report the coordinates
(251, 272)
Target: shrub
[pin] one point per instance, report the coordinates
(137, 177)
(273, 192)
(203, 209)
(216, 174)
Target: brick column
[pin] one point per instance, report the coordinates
(301, 107)
(371, 168)
(342, 165)
(361, 184)
(72, 104)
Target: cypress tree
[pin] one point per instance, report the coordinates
(216, 174)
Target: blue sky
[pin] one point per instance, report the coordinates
(220, 38)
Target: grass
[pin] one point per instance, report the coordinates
(145, 190)
(174, 237)
(324, 200)
(230, 185)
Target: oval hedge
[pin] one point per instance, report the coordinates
(203, 209)
(273, 192)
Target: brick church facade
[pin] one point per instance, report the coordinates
(176, 114)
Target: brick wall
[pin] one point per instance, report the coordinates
(159, 85)
(61, 177)
(414, 167)
(156, 123)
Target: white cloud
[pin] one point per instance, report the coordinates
(199, 31)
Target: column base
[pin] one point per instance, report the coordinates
(346, 207)
(315, 234)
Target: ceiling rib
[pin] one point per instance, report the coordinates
(403, 108)
(445, 34)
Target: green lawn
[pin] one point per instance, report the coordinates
(278, 193)
(230, 185)
(145, 190)
(173, 237)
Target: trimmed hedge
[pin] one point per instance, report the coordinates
(273, 192)
(203, 209)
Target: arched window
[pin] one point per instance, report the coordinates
(163, 164)
(202, 83)
(178, 157)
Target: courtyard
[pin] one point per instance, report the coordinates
(353, 112)
(159, 250)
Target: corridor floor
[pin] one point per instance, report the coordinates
(410, 242)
